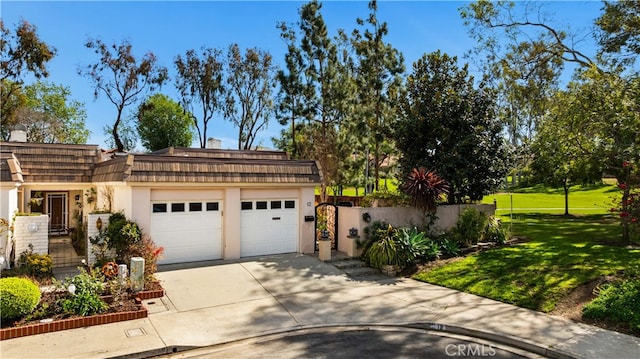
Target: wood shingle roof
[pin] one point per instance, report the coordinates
(84, 163)
(42, 162)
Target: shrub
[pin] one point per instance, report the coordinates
(415, 245)
(384, 199)
(618, 301)
(449, 247)
(494, 231)
(18, 297)
(85, 299)
(425, 188)
(35, 264)
(385, 251)
(470, 227)
(148, 250)
(121, 233)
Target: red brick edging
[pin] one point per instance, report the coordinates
(73, 323)
(150, 294)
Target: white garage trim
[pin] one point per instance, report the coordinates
(268, 226)
(189, 230)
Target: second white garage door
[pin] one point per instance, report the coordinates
(189, 231)
(268, 227)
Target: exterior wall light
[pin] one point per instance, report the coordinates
(99, 223)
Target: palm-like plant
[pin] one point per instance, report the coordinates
(425, 188)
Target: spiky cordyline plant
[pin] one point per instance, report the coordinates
(425, 188)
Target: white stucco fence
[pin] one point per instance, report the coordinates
(352, 217)
(32, 230)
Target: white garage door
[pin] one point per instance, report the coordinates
(268, 227)
(188, 230)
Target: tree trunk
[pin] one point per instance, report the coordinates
(114, 132)
(565, 187)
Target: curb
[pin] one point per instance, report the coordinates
(507, 340)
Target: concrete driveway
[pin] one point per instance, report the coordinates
(229, 302)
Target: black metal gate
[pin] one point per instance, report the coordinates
(327, 224)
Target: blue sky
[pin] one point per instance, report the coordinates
(170, 28)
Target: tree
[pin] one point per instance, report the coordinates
(606, 110)
(293, 88)
(51, 116)
(200, 82)
(524, 58)
(21, 52)
(560, 154)
(163, 123)
(122, 78)
(325, 95)
(379, 81)
(448, 126)
(620, 30)
(249, 102)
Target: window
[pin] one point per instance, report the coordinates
(246, 205)
(276, 204)
(289, 204)
(195, 206)
(177, 207)
(159, 208)
(261, 205)
(212, 206)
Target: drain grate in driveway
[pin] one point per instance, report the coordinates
(137, 332)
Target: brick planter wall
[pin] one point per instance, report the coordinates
(71, 323)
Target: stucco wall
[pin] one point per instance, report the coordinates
(92, 232)
(31, 230)
(351, 217)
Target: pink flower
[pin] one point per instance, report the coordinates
(624, 214)
(625, 164)
(622, 186)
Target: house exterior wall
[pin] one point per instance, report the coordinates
(231, 197)
(8, 202)
(8, 207)
(307, 229)
(231, 224)
(31, 230)
(92, 232)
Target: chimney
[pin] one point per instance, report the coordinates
(214, 143)
(18, 134)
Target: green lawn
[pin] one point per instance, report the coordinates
(582, 200)
(563, 252)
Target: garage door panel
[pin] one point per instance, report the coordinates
(270, 230)
(188, 235)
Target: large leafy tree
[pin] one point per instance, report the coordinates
(21, 52)
(620, 30)
(604, 92)
(249, 102)
(524, 58)
(122, 77)
(560, 149)
(163, 123)
(200, 83)
(51, 115)
(449, 126)
(379, 79)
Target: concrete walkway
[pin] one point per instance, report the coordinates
(231, 301)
